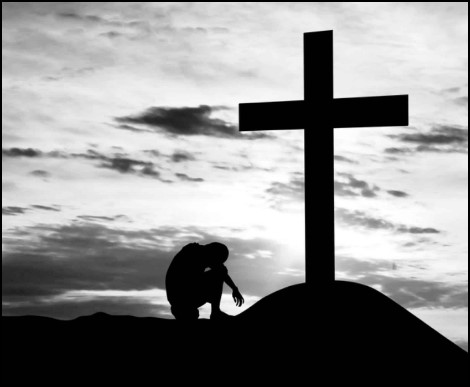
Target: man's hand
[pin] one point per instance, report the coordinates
(237, 297)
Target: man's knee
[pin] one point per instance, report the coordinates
(184, 312)
(218, 271)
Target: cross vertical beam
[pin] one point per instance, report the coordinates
(319, 213)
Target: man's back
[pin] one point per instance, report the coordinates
(184, 272)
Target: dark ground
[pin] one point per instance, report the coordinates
(347, 334)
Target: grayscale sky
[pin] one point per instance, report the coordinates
(121, 144)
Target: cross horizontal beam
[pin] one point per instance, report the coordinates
(345, 113)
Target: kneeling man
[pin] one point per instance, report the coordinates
(196, 276)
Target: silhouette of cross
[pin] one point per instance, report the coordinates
(319, 113)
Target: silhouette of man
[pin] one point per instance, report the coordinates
(196, 276)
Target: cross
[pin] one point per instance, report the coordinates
(318, 114)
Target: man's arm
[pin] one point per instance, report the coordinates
(230, 282)
(237, 297)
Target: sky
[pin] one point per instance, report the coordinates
(120, 145)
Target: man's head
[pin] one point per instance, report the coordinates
(216, 253)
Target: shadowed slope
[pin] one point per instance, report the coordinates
(348, 334)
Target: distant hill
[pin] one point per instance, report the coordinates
(348, 333)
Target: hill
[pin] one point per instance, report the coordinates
(349, 334)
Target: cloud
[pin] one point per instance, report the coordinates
(184, 177)
(461, 101)
(292, 190)
(408, 292)
(187, 121)
(398, 194)
(73, 305)
(344, 159)
(417, 230)
(40, 173)
(124, 165)
(441, 138)
(76, 16)
(399, 151)
(84, 257)
(112, 34)
(416, 293)
(21, 152)
(458, 95)
(180, 156)
(363, 220)
(92, 218)
(439, 135)
(13, 210)
(32, 153)
(348, 185)
(127, 165)
(69, 72)
(46, 208)
(119, 162)
(132, 128)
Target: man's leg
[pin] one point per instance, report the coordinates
(185, 312)
(213, 281)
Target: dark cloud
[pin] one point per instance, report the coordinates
(76, 16)
(149, 170)
(69, 72)
(349, 267)
(132, 128)
(118, 162)
(46, 208)
(13, 210)
(84, 256)
(21, 152)
(40, 173)
(415, 293)
(8, 186)
(92, 218)
(400, 151)
(90, 154)
(348, 185)
(441, 138)
(118, 26)
(461, 101)
(93, 256)
(184, 121)
(70, 309)
(180, 156)
(363, 220)
(452, 90)
(188, 121)
(292, 190)
(398, 194)
(112, 34)
(124, 165)
(184, 177)
(440, 135)
(244, 167)
(344, 159)
(408, 292)
(153, 152)
(32, 153)
(418, 230)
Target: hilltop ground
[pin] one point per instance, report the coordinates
(347, 333)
